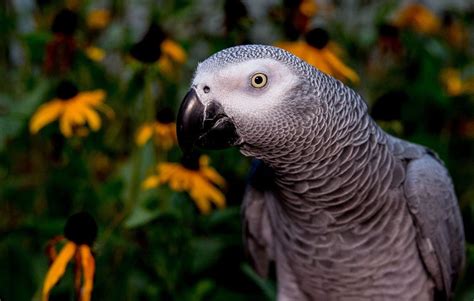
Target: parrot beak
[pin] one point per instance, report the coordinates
(205, 127)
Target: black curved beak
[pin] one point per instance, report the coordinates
(205, 127)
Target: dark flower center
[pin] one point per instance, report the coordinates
(448, 18)
(317, 38)
(289, 4)
(165, 115)
(148, 50)
(388, 31)
(81, 229)
(389, 106)
(191, 160)
(66, 90)
(65, 22)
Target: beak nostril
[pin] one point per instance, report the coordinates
(206, 89)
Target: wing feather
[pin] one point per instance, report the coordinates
(258, 237)
(434, 207)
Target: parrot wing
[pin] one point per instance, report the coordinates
(258, 236)
(433, 205)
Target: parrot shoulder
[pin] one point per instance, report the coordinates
(258, 236)
(435, 211)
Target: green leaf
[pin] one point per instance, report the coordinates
(206, 252)
(267, 287)
(141, 216)
(18, 112)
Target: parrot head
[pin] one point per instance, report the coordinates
(259, 98)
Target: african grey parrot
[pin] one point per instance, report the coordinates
(346, 211)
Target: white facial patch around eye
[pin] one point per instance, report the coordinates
(231, 86)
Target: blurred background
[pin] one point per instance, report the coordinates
(88, 96)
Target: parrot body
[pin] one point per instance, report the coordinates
(346, 211)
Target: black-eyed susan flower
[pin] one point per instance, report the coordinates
(162, 130)
(80, 233)
(98, 19)
(318, 51)
(148, 49)
(417, 17)
(155, 46)
(453, 30)
(61, 49)
(296, 17)
(172, 55)
(454, 83)
(193, 175)
(73, 109)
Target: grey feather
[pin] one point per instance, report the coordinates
(440, 238)
(351, 213)
(258, 236)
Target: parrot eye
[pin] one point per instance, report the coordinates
(258, 80)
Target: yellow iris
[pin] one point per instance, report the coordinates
(325, 59)
(172, 54)
(417, 17)
(164, 134)
(197, 182)
(454, 84)
(72, 113)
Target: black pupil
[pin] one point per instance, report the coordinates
(258, 80)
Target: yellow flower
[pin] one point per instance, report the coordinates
(80, 232)
(163, 130)
(98, 19)
(156, 47)
(172, 54)
(454, 84)
(164, 134)
(73, 109)
(194, 176)
(308, 7)
(417, 17)
(318, 51)
(454, 32)
(95, 53)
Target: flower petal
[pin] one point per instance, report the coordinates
(151, 182)
(92, 118)
(144, 134)
(57, 269)
(339, 67)
(317, 60)
(92, 98)
(173, 50)
(165, 65)
(213, 176)
(88, 267)
(45, 114)
(65, 124)
(203, 193)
